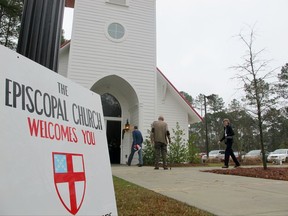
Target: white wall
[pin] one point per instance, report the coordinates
(170, 107)
(93, 55)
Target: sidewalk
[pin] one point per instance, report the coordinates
(222, 195)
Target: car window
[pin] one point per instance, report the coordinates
(254, 152)
(280, 151)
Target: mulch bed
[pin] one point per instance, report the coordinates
(257, 172)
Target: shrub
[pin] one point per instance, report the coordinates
(177, 152)
(193, 151)
(148, 151)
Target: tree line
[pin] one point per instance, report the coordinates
(259, 118)
(244, 117)
(10, 21)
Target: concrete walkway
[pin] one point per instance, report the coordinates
(222, 195)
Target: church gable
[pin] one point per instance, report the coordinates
(170, 101)
(113, 46)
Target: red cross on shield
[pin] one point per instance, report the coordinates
(69, 179)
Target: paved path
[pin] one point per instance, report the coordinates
(222, 195)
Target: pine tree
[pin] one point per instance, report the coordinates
(10, 20)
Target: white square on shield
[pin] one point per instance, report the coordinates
(77, 163)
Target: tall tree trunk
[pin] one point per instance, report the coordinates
(259, 114)
(7, 33)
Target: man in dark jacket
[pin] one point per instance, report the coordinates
(228, 137)
(136, 146)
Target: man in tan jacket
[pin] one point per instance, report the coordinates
(160, 137)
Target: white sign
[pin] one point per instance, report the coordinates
(53, 154)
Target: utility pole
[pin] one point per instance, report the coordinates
(40, 32)
(206, 125)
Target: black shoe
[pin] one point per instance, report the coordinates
(224, 167)
(237, 166)
(139, 165)
(127, 164)
(165, 168)
(156, 168)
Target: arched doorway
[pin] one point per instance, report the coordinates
(118, 93)
(112, 113)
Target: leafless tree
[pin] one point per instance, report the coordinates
(254, 73)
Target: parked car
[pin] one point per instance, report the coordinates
(239, 155)
(215, 154)
(202, 156)
(277, 155)
(253, 154)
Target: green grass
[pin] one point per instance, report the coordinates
(215, 164)
(135, 200)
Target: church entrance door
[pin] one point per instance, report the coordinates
(113, 132)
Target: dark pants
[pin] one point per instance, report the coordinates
(133, 150)
(160, 148)
(229, 152)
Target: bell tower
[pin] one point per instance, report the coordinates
(116, 38)
(113, 37)
(113, 51)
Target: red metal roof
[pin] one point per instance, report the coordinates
(179, 94)
(187, 102)
(69, 3)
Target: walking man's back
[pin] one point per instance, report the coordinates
(160, 136)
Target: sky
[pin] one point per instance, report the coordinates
(197, 43)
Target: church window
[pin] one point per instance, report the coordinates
(118, 2)
(116, 31)
(111, 106)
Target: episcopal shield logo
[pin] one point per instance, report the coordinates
(69, 179)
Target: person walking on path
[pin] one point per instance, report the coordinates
(136, 146)
(160, 137)
(228, 137)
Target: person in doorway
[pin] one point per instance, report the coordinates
(160, 137)
(136, 146)
(228, 137)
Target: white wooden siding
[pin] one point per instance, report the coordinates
(172, 111)
(93, 55)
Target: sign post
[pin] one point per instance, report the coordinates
(53, 154)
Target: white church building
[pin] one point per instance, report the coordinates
(112, 52)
